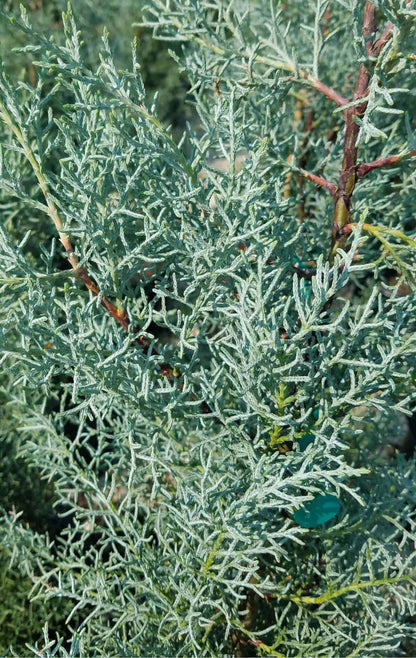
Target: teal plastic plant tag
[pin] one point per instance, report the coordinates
(305, 267)
(318, 511)
(305, 440)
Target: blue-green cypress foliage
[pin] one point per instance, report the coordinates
(202, 366)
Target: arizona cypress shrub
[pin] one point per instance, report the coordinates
(201, 369)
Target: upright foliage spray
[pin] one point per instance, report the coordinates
(201, 368)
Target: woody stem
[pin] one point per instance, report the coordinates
(348, 176)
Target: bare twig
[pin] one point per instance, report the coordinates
(382, 40)
(366, 167)
(329, 92)
(319, 180)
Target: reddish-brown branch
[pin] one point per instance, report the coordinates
(368, 26)
(329, 92)
(319, 180)
(119, 315)
(366, 167)
(348, 175)
(383, 39)
(368, 30)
